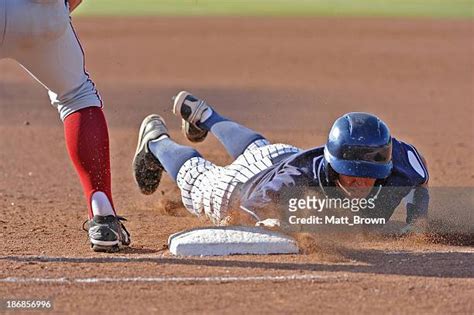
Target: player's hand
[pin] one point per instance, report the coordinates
(73, 4)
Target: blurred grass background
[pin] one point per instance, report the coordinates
(382, 8)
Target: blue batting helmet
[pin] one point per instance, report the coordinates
(359, 145)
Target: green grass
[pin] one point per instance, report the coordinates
(383, 8)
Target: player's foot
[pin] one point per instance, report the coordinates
(191, 110)
(107, 233)
(146, 167)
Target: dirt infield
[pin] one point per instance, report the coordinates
(288, 78)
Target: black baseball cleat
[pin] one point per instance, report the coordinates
(190, 109)
(147, 169)
(107, 233)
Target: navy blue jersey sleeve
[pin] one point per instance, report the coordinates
(408, 162)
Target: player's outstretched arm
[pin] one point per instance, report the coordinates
(73, 4)
(417, 207)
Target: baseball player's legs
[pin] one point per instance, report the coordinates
(38, 34)
(205, 187)
(200, 181)
(57, 62)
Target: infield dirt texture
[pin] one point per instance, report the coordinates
(286, 77)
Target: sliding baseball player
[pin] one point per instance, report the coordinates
(360, 160)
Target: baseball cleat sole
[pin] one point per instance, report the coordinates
(147, 169)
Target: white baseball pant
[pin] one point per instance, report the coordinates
(206, 187)
(38, 34)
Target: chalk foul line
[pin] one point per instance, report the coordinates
(209, 279)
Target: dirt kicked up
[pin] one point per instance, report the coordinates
(287, 78)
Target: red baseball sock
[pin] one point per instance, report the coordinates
(87, 141)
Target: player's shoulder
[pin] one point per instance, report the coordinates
(408, 162)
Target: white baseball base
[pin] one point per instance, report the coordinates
(230, 240)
